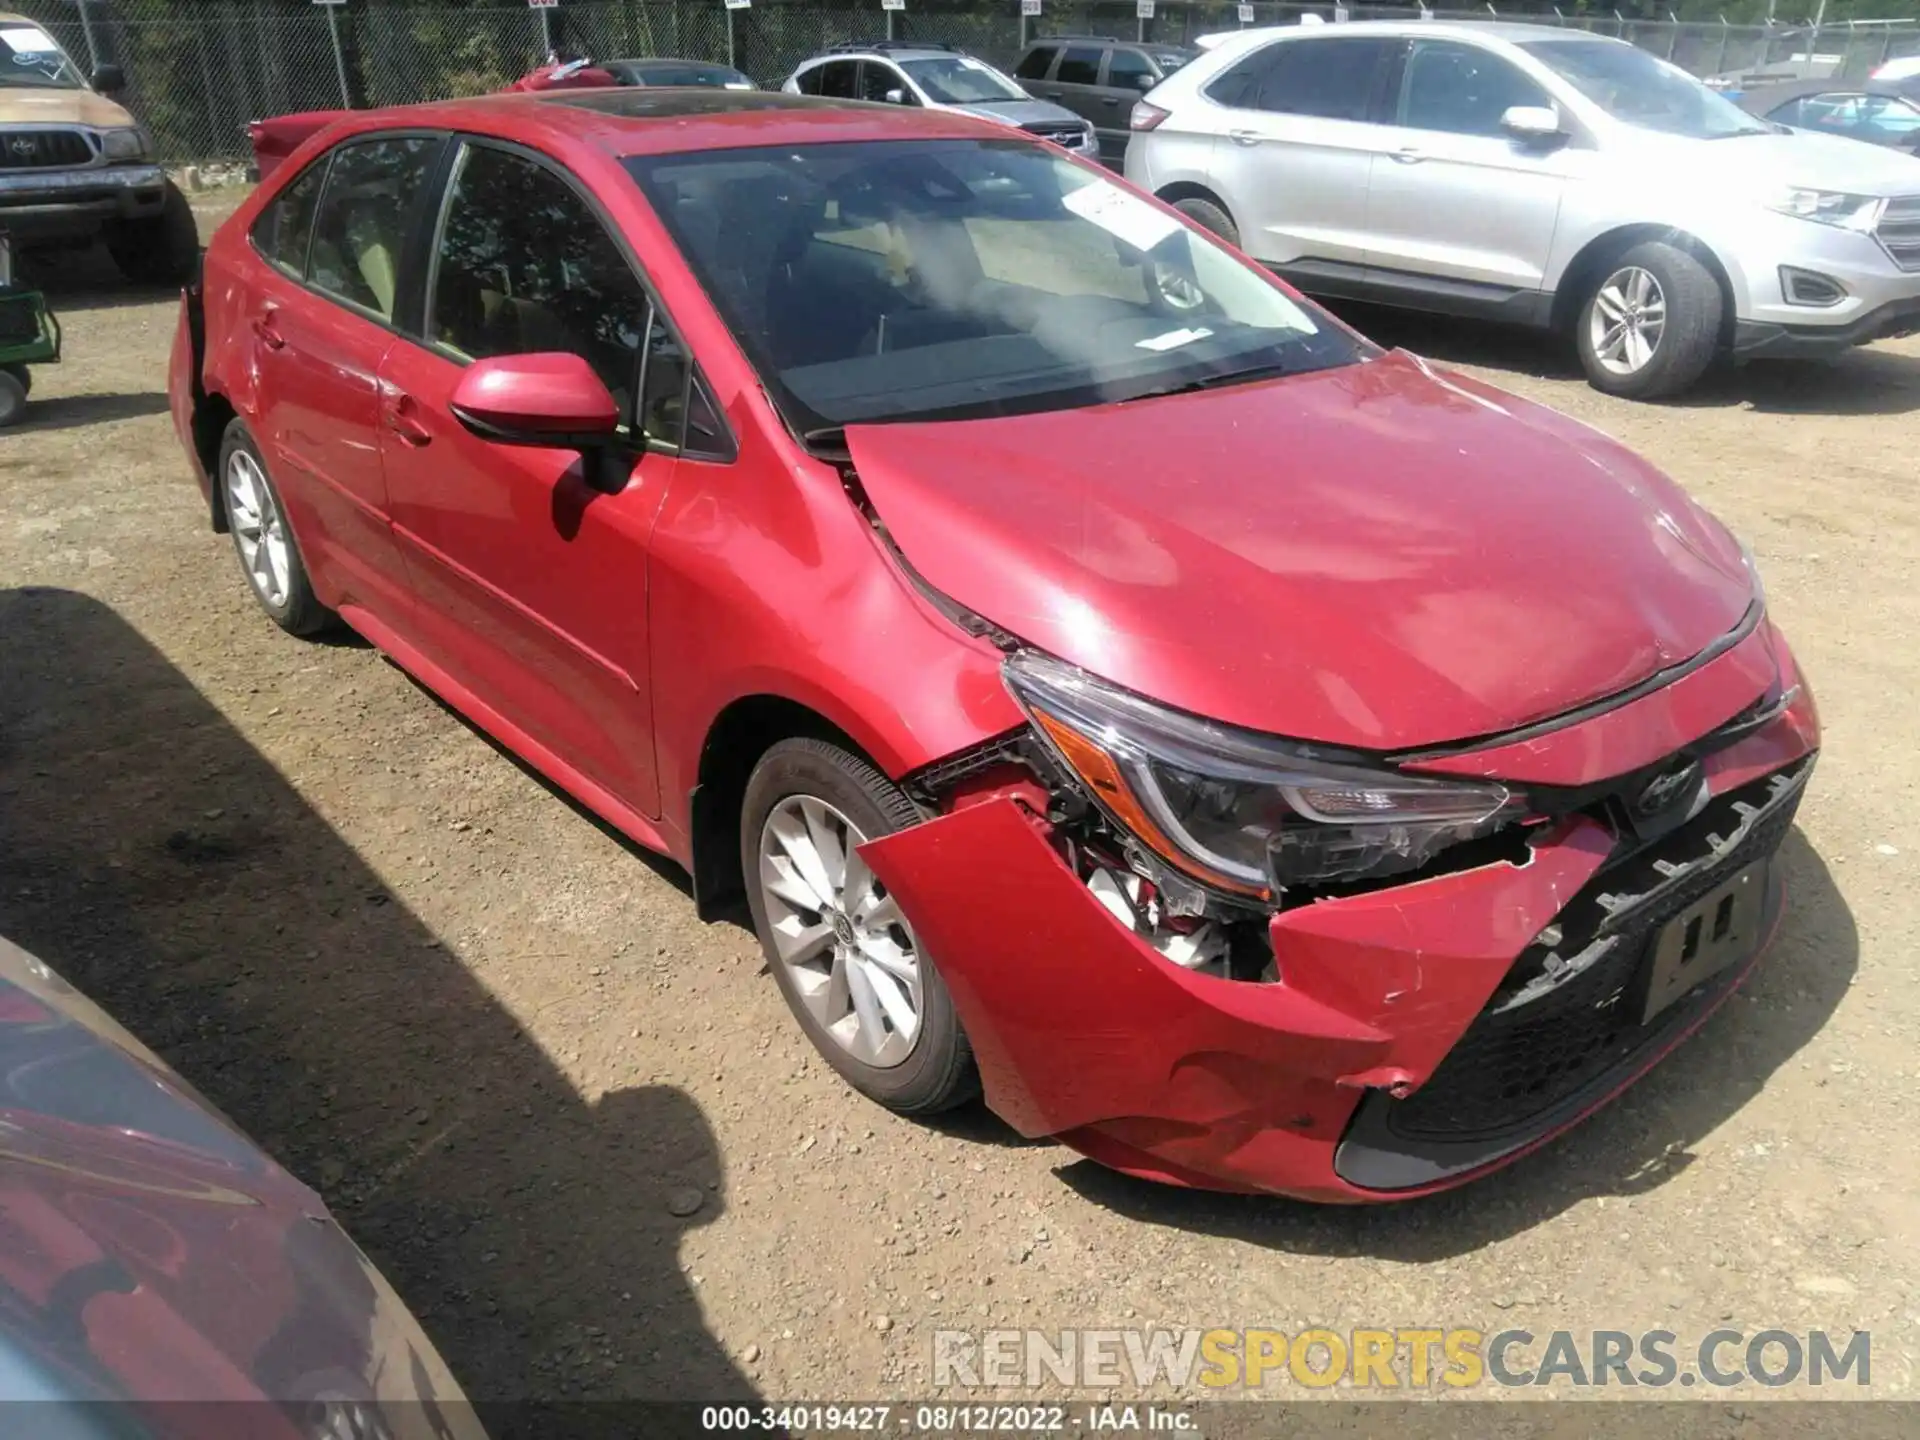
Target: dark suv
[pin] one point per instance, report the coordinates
(1098, 77)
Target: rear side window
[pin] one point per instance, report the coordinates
(1130, 70)
(1033, 65)
(286, 225)
(1461, 89)
(361, 229)
(1080, 66)
(836, 79)
(1333, 79)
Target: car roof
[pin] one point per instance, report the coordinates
(1512, 31)
(639, 121)
(666, 62)
(892, 52)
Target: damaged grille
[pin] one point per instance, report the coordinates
(1567, 1018)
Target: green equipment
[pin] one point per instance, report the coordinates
(29, 335)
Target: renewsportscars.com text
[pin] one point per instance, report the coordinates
(1415, 1358)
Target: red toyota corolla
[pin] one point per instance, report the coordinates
(1258, 760)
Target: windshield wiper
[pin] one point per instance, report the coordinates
(1243, 376)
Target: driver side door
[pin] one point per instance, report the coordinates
(1454, 196)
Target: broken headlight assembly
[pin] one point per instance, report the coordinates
(1239, 811)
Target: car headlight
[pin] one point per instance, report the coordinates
(1827, 207)
(1240, 811)
(127, 144)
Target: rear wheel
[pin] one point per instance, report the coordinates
(1209, 216)
(160, 250)
(844, 956)
(1651, 326)
(262, 538)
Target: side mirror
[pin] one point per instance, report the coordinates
(896, 96)
(1532, 123)
(108, 79)
(1144, 83)
(553, 401)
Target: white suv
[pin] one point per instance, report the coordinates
(1546, 176)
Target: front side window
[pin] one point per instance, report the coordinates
(286, 226)
(962, 80)
(899, 280)
(30, 60)
(1079, 66)
(1637, 89)
(1035, 63)
(360, 231)
(1462, 89)
(1879, 118)
(1130, 70)
(878, 79)
(524, 266)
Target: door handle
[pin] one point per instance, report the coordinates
(1408, 156)
(402, 417)
(1243, 137)
(1109, 99)
(268, 332)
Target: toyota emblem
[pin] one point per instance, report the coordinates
(1663, 790)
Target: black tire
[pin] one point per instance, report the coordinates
(1211, 217)
(163, 249)
(1689, 340)
(938, 1072)
(13, 394)
(299, 612)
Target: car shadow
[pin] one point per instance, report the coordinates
(1632, 1147)
(64, 412)
(159, 862)
(1868, 381)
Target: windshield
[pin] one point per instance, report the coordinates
(29, 59)
(914, 280)
(690, 74)
(1633, 86)
(1170, 60)
(962, 80)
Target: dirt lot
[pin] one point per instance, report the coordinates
(499, 1042)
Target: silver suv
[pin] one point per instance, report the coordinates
(940, 78)
(1545, 176)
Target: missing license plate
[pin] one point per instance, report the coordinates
(1720, 929)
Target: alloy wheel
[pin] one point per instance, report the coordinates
(258, 529)
(845, 944)
(1628, 317)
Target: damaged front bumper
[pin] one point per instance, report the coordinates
(1414, 1037)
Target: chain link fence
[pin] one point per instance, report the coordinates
(197, 72)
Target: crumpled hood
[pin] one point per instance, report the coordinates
(1381, 556)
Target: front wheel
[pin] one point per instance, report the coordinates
(1651, 326)
(844, 955)
(13, 393)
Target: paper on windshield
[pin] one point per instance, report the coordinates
(1173, 339)
(1126, 217)
(24, 40)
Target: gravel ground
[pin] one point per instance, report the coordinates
(579, 1132)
